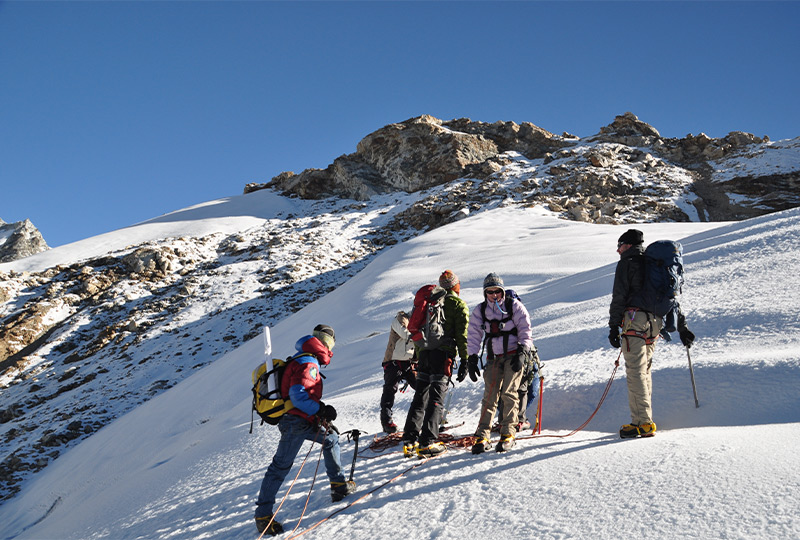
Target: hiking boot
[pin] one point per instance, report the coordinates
(481, 446)
(631, 431)
(390, 428)
(340, 490)
(431, 450)
(410, 448)
(523, 426)
(265, 527)
(506, 443)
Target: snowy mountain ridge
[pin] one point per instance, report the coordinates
(183, 465)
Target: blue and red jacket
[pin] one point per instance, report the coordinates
(302, 381)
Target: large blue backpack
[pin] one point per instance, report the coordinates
(663, 280)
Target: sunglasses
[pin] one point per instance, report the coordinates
(494, 291)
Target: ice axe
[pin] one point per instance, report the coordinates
(691, 373)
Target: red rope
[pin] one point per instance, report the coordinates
(574, 431)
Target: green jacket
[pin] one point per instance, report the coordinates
(456, 320)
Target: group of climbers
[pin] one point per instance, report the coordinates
(422, 352)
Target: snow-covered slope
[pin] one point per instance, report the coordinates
(183, 465)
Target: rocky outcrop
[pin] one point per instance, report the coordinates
(417, 154)
(593, 185)
(20, 239)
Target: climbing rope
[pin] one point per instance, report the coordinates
(302, 464)
(380, 445)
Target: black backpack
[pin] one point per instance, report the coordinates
(663, 280)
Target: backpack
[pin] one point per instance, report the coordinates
(426, 324)
(268, 402)
(663, 280)
(493, 328)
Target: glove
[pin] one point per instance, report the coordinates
(613, 337)
(326, 412)
(462, 371)
(516, 360)
(687, 337)
(474, 370)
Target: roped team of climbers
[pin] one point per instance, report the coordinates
(500, 326)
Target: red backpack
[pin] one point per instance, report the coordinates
(426, 324)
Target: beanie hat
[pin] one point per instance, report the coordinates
(448, 280)
(631, 236)
(493, 281)
(325, 334)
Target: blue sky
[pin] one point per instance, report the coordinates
(116, 112)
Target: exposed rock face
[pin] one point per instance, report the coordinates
(424, 152)
(417, 154)
(20, 239)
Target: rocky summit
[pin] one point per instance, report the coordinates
(86, 341)
(18, 240)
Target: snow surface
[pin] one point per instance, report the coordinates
(183, 465)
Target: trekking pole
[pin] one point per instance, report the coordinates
(691, 373)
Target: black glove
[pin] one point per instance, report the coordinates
(326, 412)
(462, 371)
(474, 370)
(687, 337)
(613, 337)
(516, 360)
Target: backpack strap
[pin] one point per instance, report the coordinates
(499, 332)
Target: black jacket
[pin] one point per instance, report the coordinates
(628, 284)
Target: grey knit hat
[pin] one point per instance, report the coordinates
(493, 281)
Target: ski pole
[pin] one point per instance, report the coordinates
(691, 373)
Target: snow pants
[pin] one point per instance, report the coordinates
(639, 328)
(501, 383)
(393, 373)
(425, 413)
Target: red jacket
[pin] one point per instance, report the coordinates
(302, 381)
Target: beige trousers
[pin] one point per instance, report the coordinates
(501, 383)
(638, 356)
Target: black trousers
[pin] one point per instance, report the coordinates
(425, 413)
(393, 374)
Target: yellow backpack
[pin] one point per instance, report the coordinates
(267, 399)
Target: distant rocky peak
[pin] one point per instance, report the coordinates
(19, 239)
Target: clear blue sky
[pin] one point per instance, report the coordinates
(115, 112)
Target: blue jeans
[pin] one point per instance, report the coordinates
(294, 432)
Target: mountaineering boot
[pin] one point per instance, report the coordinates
(631, 431)
(340, 490)
(410, 448)
(431, 450)
(480, 446)
(265, 527)
(522, 426)
(506, 443)
(390, 428)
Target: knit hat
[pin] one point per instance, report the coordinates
(325, 334)
(493, 281)
(631, 236)
(448, 280)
